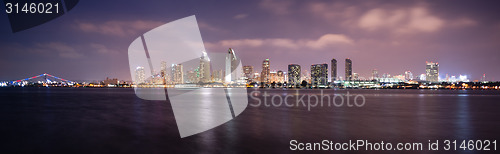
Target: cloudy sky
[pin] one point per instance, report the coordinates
(90, 42)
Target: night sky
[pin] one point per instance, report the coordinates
(90, 42)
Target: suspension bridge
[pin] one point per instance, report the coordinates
(42, 79)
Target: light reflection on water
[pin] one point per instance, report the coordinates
(115, 121)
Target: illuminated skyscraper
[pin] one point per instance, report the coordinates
(140, 76)
(177, 74)
(348, 69)
(264, 76)
(248, 72)
(273, 77)
(281, 77)
(163, 72)
(293, 74)
(432, 72)
(205, 76)
(231, 67)
(334, 70)
(319, 74)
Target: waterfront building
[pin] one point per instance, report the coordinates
(334, 70)
(408, 76)
(319, 75)
(140, 76)
(348, 69)
(264, 76)
(294, 74)
(205, 76)
(432, 71)
(177, 74)
(218, 76)
(280, 76)
(248, 73)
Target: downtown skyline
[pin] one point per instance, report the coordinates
(90, 42)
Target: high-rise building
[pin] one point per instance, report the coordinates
(163, 72)
(205, 76)
(273, 77)
(231, 66)
(264, 76)
(256, 76)
(192, 76)
(334, 70)
(408, 76)
(293, 74)
(281, 77)
(348, 69)
(248, 73)
(177, 74)
(319, 74)
(218, 76)
(432, 72)
(375, 74)
(140, 76)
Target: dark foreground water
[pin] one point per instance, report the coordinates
(85, 120)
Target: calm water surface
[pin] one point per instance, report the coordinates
(85, 120)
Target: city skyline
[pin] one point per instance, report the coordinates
(92, 42)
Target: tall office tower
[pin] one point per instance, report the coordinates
(408, 76)
(334, 70)
(432, 72)
(375, 74)
(218, 76)
(205, 76)
(177, 74)
(140, 76)
(484, 78)
(231, 67)
(293, 74)
(319, 74)
(348, 69)
(163, 72)
(264, 76)
(248, 73)
(281, 77)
